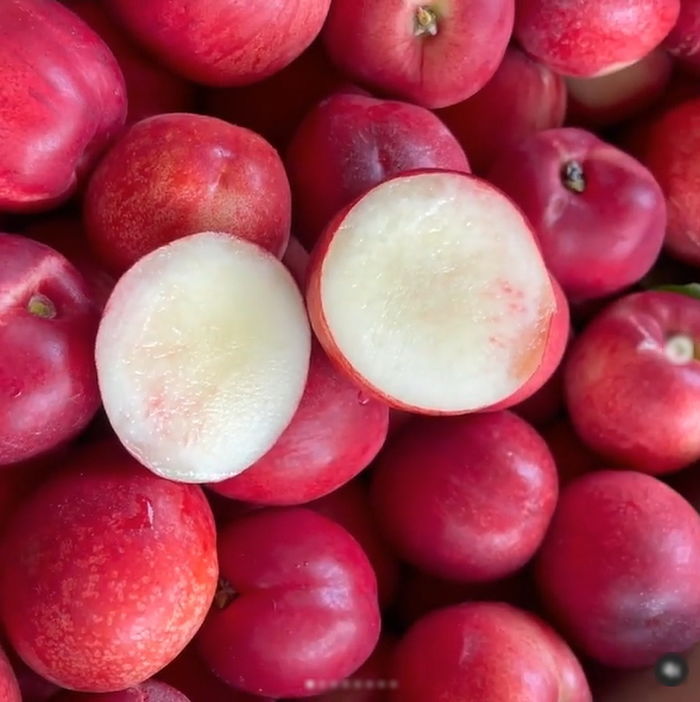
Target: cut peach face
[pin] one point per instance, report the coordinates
(431, 292)
(202, 356)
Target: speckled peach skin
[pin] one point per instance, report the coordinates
(62, 100)
(113, 572)
(178, 174)
(150, 691)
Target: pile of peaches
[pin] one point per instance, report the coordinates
(349, 349)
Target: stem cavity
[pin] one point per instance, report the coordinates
(225, 594)
(680, 349)
(572, 176)
(41, 306)
(425, 22)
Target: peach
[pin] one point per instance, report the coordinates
(435, 53)
(140, 197)
(219, 42)
(587, 38)
(62, 101)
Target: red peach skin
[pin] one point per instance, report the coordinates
(489, 652)
(298, 602)
(433, 54)
(140, 197)
(593, 243)
(107, 556)
(336, 432)
(9, 688)
(466, 498)
(350, 507)
(48, 381)
(620, 568)
(62, 101)
(523, 97)
(150, 691)
(633, 362)
(348, 143)
(151, 89)
(670, 152)
(219, 42)
(574, 37)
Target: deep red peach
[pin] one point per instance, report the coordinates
(466, 498)
(297, 602)
(62, 101)
(633, 362)
(599, 214)
(620, 568)
(48, 323)
(142, 196)
(433, 54)
(488, 652)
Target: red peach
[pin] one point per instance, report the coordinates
(575, 37)
(297, 604)
(434, 54)
(544, 406)
(466, 498)
(219, 42)
(620, 95)
(488, 652)
(62, 101)
(149, 691)
(593, 244)
(522, 97)
(672, 145)
(104, 594)
(9, 687)
(151, 89)
(633, 362)
(48, 382)
(336, 432)
(140, 197)
(620, 568)
(349, 143)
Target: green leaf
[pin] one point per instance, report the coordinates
(691, 289)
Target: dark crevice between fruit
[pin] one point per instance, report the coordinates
(41, 306)
(225, 594)
(572, 176)
(425, 22)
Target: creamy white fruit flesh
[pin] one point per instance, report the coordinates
(202, 356)
(433, 290)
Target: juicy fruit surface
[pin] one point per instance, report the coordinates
(200, 375)
(433, 289)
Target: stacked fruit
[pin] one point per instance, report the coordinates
(349, 349)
